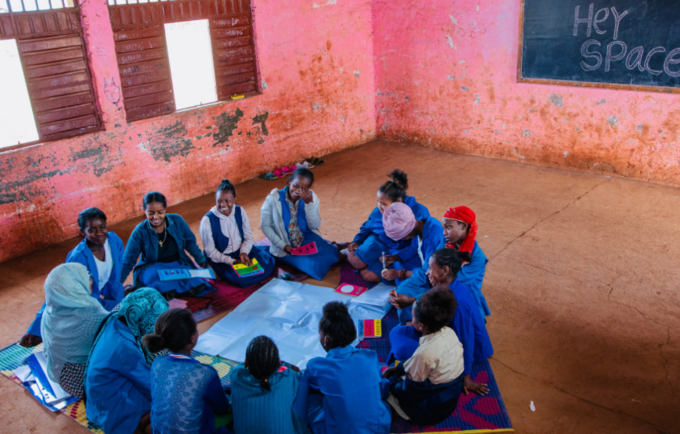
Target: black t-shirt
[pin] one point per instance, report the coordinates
(168, 252)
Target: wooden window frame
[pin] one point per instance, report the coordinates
(56, 29)
(143, 62)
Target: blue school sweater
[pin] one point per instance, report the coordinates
(278, 411)
(351, 390)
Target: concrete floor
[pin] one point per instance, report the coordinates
(582, 283)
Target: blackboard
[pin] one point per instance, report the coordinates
(629, 43)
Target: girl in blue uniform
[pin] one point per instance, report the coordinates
(264, 385)
(101, 252)
(425, 389)
(228, 240)
(162, 240)
(185, 394)
(368, 246)
(346, 390)
(118, 379)
(425, 235)
(291, 218)
(468, 322)
(460, 231)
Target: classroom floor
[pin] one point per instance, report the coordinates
(582, 283)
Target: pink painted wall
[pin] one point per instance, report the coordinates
(317, 62)
(446, 78)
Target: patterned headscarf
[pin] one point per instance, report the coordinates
(467, 216)
(71, 319)
(398, 221)
(140, 309)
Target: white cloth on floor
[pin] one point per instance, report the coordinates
(288, 313)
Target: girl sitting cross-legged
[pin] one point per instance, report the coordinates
(365, 251)
(426, 387)
(101, 252)
(290, 218)
(185, 394)
(268, 395)
(346, 390)
(228, 240)
(467, 322)
(162, 240)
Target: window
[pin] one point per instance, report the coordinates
(146, 46)
(44, 73)
(191, 63)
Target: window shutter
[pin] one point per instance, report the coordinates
(144, 72)
(57, 74)
(234, 53)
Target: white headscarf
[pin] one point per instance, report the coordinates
(71, 318)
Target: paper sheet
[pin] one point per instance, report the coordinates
(289, 313)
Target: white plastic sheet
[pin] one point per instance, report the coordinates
(288, 313)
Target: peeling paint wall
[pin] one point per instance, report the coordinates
(316, 66)
(446, 78)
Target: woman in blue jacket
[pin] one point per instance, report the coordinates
(118, 375)
(162, 240)
(368, 246)
(101, 252)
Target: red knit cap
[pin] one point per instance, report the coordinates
(465, 215)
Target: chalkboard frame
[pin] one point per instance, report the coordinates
(586, 84)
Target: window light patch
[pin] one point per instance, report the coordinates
(16, 115)
(191, 63)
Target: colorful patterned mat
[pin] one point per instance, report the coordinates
(15, 355)
(474, 414)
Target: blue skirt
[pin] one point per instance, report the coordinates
(150, 279)
(370, 252)
(318, 264)
(226, 271)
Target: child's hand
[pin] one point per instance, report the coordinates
(400, 301)
(287, 249)
(389, 372)
(245, 259)
(30, 340)
(306, 195)
(352, 247)
(390, 275)
(390, 259)
(471, 386)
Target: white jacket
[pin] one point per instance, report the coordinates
(271, 222)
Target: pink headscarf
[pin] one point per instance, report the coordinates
(398, 221)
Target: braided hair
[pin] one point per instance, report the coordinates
(173, 330)
(449, 258)
(395, 189)
(262, 357)
(226, 185)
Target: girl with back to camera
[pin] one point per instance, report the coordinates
(186, 394)
(162, 240)
(228, 240)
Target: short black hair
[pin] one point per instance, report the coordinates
(174, 330)
(89, 214)
(395, 189)
(338, 324)
(302, 172)
(450, 258)
(152, 197)
(435, 309)
(226, 185)
(262, 356)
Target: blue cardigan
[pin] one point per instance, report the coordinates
(111, 294)
(144, 240)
